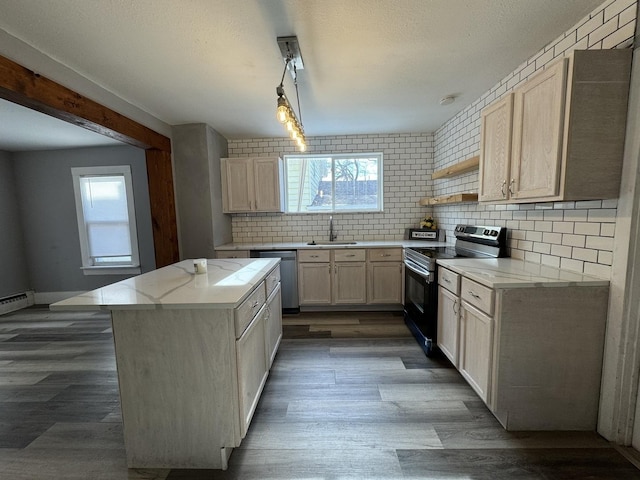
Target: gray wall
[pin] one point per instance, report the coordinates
(13, 276)
(47, 207)
(197, 149)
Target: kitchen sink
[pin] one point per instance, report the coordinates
(331, 243)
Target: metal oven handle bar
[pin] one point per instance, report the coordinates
(414, 267)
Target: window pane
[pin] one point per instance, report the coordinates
(108, 239)
(356, 186)
(104, 205)
(308, 184)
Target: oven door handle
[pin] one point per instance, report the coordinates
(417, 269)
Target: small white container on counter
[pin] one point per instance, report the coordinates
(200, 265)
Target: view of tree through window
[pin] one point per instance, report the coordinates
(336, 183)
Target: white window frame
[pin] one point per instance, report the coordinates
(88, 268)
(334, 157)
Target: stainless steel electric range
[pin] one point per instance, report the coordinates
(421, 276)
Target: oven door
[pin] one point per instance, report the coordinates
(420, 307)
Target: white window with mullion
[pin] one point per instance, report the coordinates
(106, 219)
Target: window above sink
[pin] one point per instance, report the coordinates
(337, 183)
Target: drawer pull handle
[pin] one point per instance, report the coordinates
(474, 295)
(455, 304)
(385, 255)
(352, 255)
(446, 280)
(255, 304)
(314, 256)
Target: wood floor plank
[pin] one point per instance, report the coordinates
(340, 436)
(409, 392)
(315, 464)
(364, 411)
(517, 464)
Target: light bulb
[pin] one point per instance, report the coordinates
(302, 147)
(282, 114)
(290, 125)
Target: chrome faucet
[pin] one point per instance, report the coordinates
(332, 236)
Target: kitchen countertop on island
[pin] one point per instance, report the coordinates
(225, 285)
(514, 273)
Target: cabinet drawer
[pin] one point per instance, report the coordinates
(272, 280)
(314, 256)
(385, 254)
(349, 255)
(232, 254)
(248, 309)
(477, 295)
(449, 280)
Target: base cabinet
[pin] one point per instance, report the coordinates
(384, 276)
(448, 324)
(332, 277)
(476, 342)
(533, 354)
(350, 276)
(273, 325)
(251, 358)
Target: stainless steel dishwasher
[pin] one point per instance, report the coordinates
(288, 276)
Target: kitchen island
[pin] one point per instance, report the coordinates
(193, 352)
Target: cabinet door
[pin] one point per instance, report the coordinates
(476, 349)
(238, 181)
(252, 369)
(314, 283)
(267, 188)
(350, 283)
(538, 118)
(273, 325)
(495, 150)
(448, 323)
(384, 282)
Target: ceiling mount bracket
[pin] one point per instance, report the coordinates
(290, 51)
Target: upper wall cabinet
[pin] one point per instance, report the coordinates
(252, 185)
(560, 136)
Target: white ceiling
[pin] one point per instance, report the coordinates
(371, 66)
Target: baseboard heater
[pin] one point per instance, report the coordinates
(16, 302)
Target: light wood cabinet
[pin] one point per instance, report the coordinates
(476, 344)
(565, 139)
(252, 185)
(273, 324)
(251, 359)
(314, 283)
(332, 277)
(384, 276)
(448, 314)
(495, 148)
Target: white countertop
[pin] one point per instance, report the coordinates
(358, 244)
(512, 273)
(225, 285)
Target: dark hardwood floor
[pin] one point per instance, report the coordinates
(350, 396)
